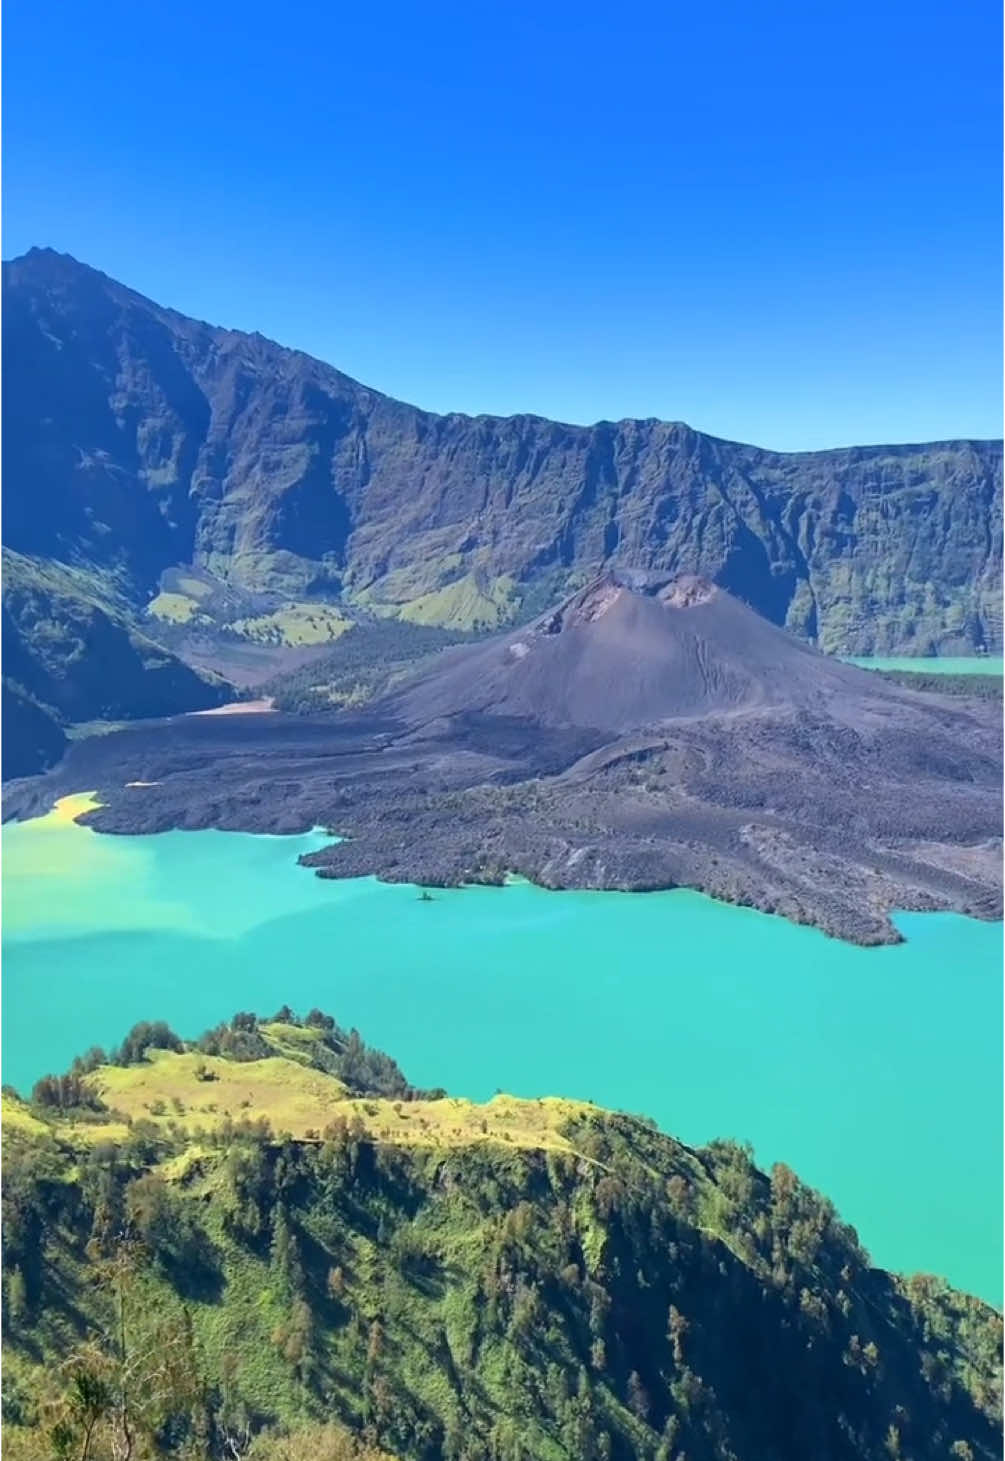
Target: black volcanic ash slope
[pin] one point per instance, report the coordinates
(647, 734)
(629, 651)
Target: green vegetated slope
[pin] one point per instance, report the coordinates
(72, 652)
(978, 687)
(271, 1233)
(363, 664)
(195, 602)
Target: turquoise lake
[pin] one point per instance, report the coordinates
(977, 664)
(875, 1073)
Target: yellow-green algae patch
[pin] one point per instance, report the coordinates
(69, 808)
(60, 876)
(48, 851)
(61, 879)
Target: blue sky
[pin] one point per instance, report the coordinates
(779, 222)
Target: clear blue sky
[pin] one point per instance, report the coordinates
(777, 221)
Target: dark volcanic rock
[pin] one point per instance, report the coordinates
(617, 658)
(680, 741)
(139, 439)
(650, 730)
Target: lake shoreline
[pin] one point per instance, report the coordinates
(712, 1019)
(347, 855)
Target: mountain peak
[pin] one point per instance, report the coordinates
(44, 257)
(631, 650)
(687, 591)
(137, 437)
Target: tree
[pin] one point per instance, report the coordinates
(638, 1400)
(285, 1253)
(600, 1305)
(318, 1020)
(679, 1193)
(151, 1213)
(88, 1400)
(147, 1035)
(676, 1330)
(89, 1061)
(296, 1339)
(375, 1343)
(318, 1440)
(118, 1391)
(66, 1093)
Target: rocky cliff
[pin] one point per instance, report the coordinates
(32, 735)
(72, 653)
(138, 439)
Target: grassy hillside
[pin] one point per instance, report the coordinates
(195, 600)
(270, 1233)
(473, 603)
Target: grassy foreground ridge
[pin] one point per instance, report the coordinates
(267, 1243)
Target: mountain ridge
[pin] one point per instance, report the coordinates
(46, 252)
(455, 1281)
(188, 442)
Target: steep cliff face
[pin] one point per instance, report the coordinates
(72, 653)
(32, 736)
(138, 438)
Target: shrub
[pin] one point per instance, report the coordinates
(147, 1035)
